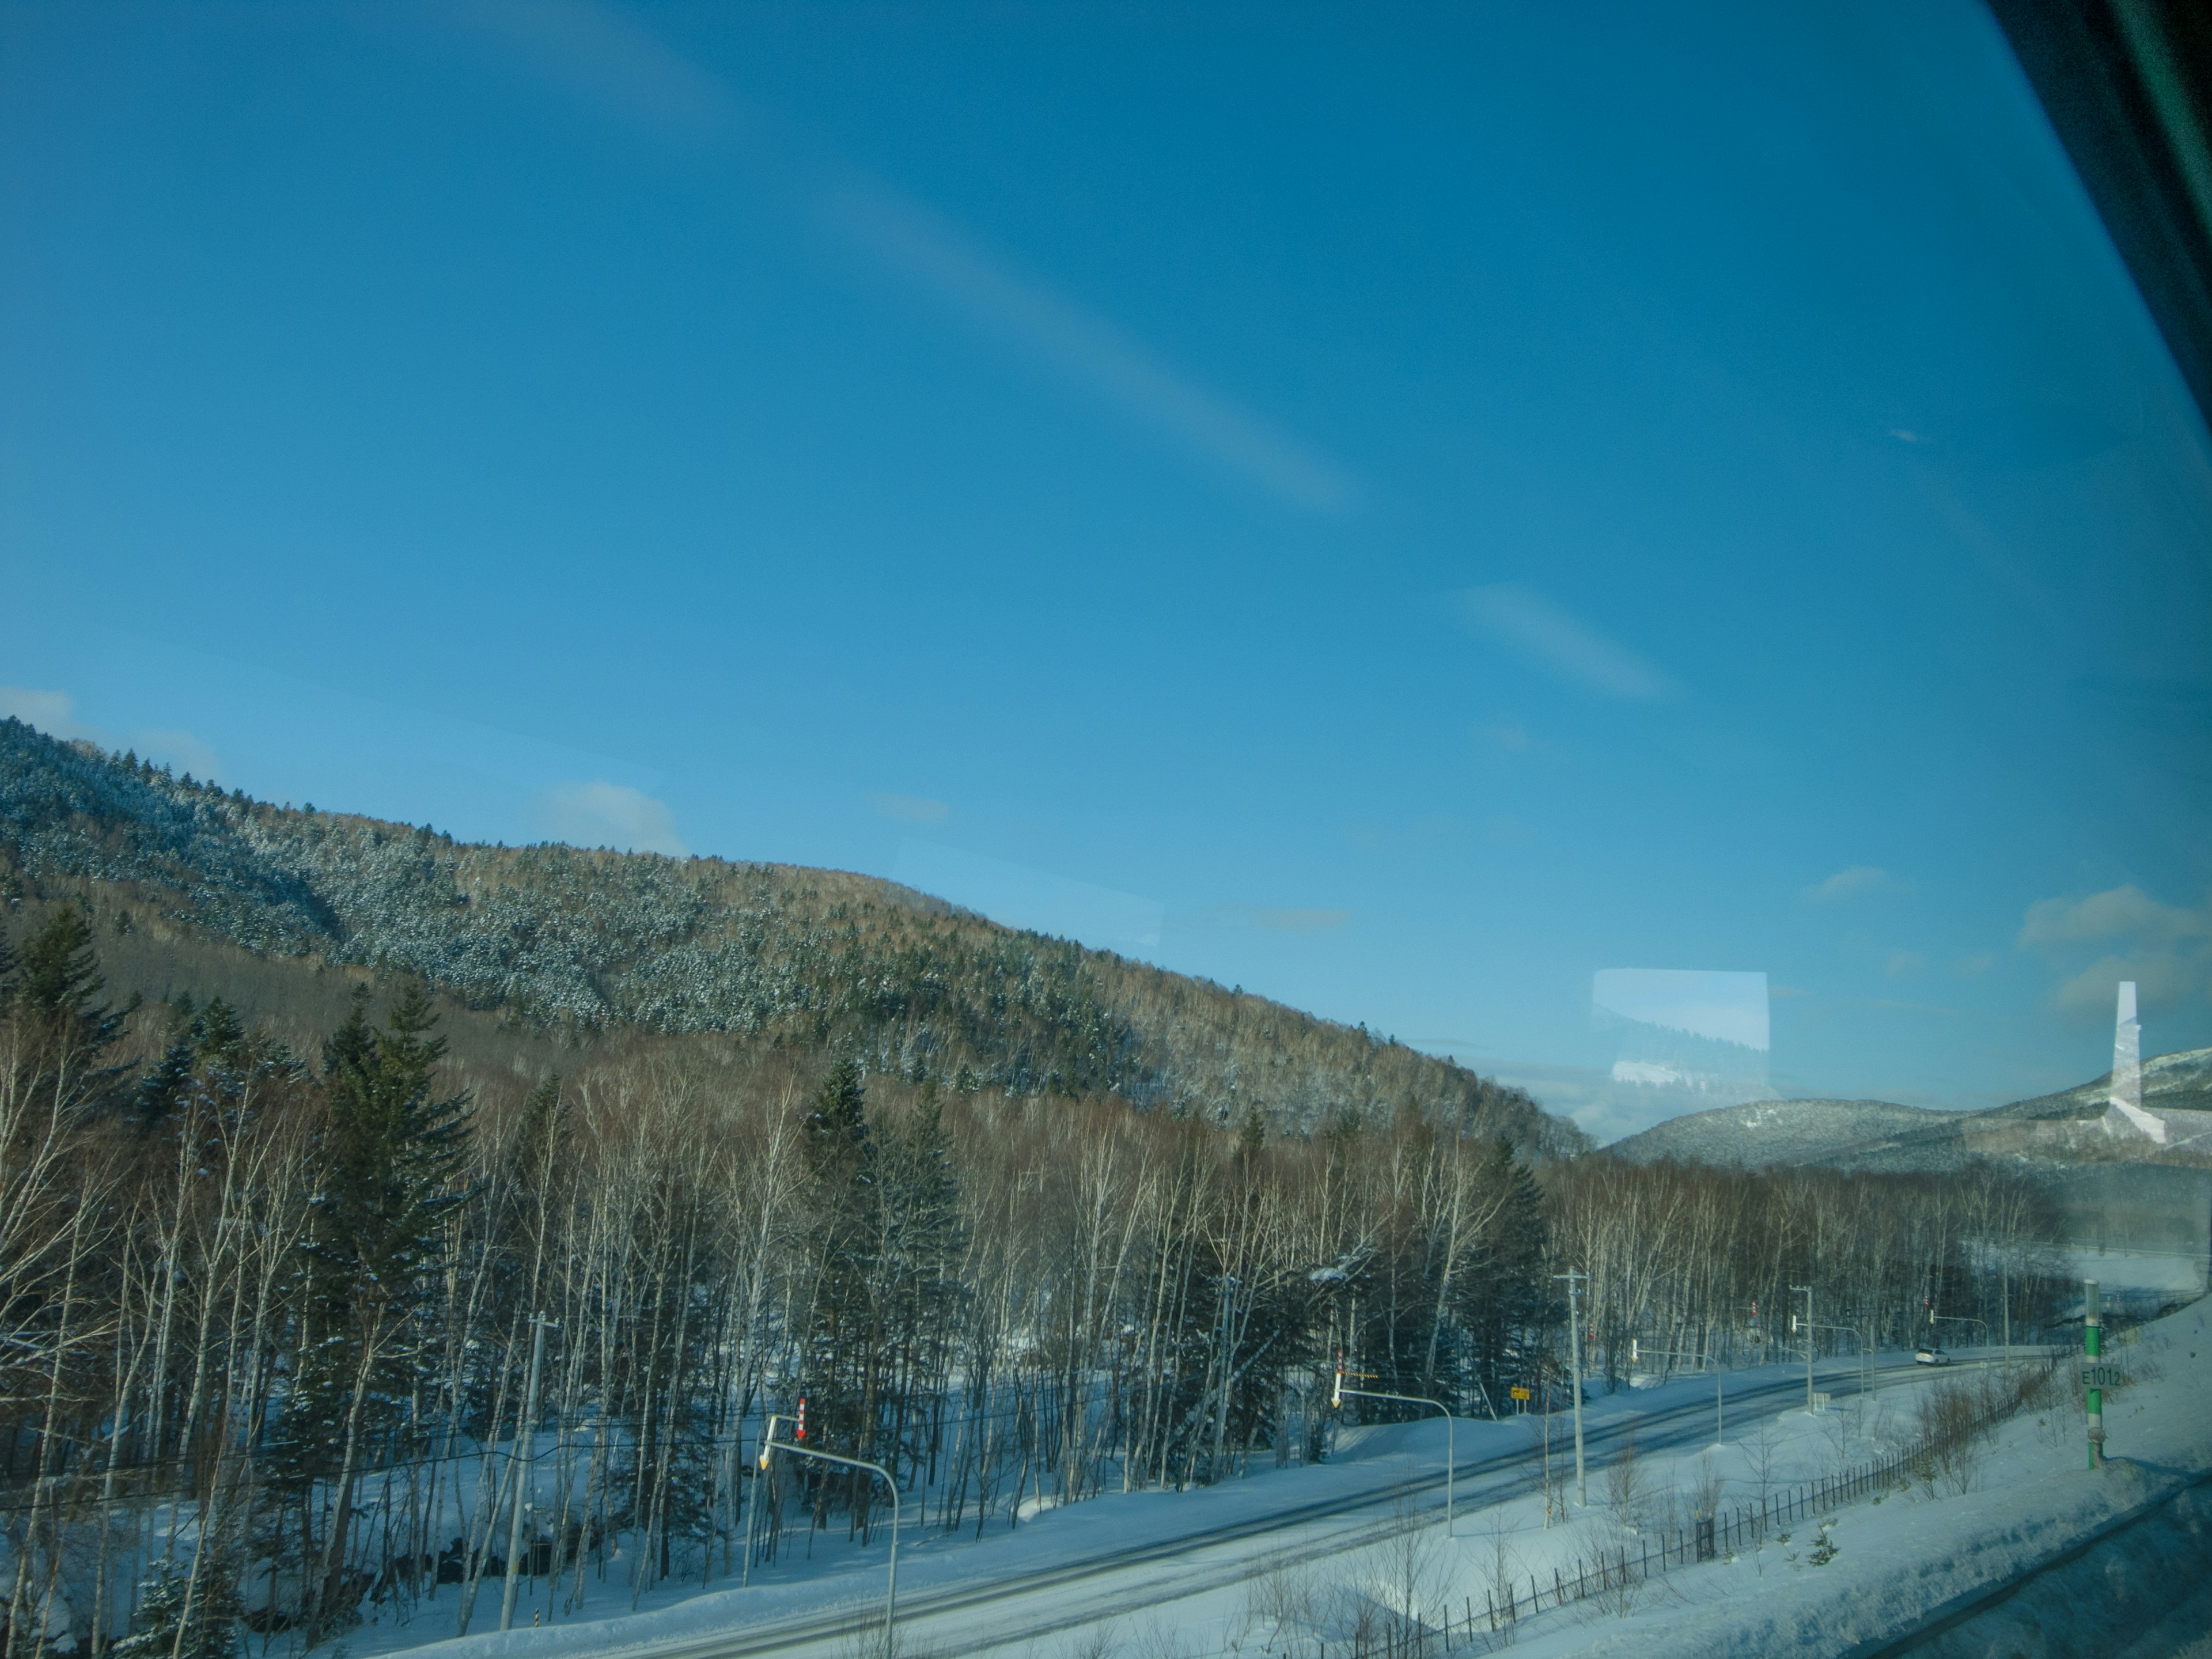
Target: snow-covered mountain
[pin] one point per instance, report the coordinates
(2179, 1082)
(2064, 1128)
(1851, 1134)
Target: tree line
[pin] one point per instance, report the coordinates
(292, 1338)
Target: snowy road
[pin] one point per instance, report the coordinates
(1024, 1603)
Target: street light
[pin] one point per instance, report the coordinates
(1866, 1348)
(1336, 1399)
(1637, 1351)
(1935, 1318)
(525, 1430)
(770, 1444)
(1812, 1342)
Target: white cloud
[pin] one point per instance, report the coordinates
(2162, 979)
(1859, 879)
(1903, 963)
(1569, 647)
(911, 809)
(2120, 912)
(53, 713)
(180, 751)
(2167, 949)
(603, 814)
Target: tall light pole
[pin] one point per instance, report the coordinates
(1575, 1351)
(1934, 1319)
(525, 1444)
(1336, 1398)
(1811, 1342)
(770, 1444)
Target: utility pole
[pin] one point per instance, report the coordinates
(1545, 1373)
(525, 1448)
(2004, 1294)
(1575, 1338)
(2092, 1343)
(1810, 1338)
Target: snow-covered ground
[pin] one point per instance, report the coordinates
(1897, 1564)
(1287, 1561)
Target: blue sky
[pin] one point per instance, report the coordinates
(1400, 508)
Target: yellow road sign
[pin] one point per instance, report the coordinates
(1520, 1394)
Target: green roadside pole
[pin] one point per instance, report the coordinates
(2092, 1346)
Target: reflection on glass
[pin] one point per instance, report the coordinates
(1684, 1029)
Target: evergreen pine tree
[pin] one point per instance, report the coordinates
(844, 1351)
(179, 1619)
(1505, 1306)
(56, 990)
(390, 1151)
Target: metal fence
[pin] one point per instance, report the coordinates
(1617, 1573)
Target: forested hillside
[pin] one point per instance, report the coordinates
(556, 937)
(273, 1313)
(272, 1289)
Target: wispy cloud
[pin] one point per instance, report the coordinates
(1430, 830)
(606, 56)
(611, 58)
(1507, 736)
(1018, 896)
(1266, 919)
(1903, 964)
(910, 809)
(1857, 881)
(603, 814)
(1561, 642)
(1106, 360)
(1297, 922)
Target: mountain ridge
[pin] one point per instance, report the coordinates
(581, 942)
(1883, 1135)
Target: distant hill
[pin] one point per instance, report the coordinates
(555, 939)
(1879, 1134)
(1793, 1132)
(2179, 1082)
